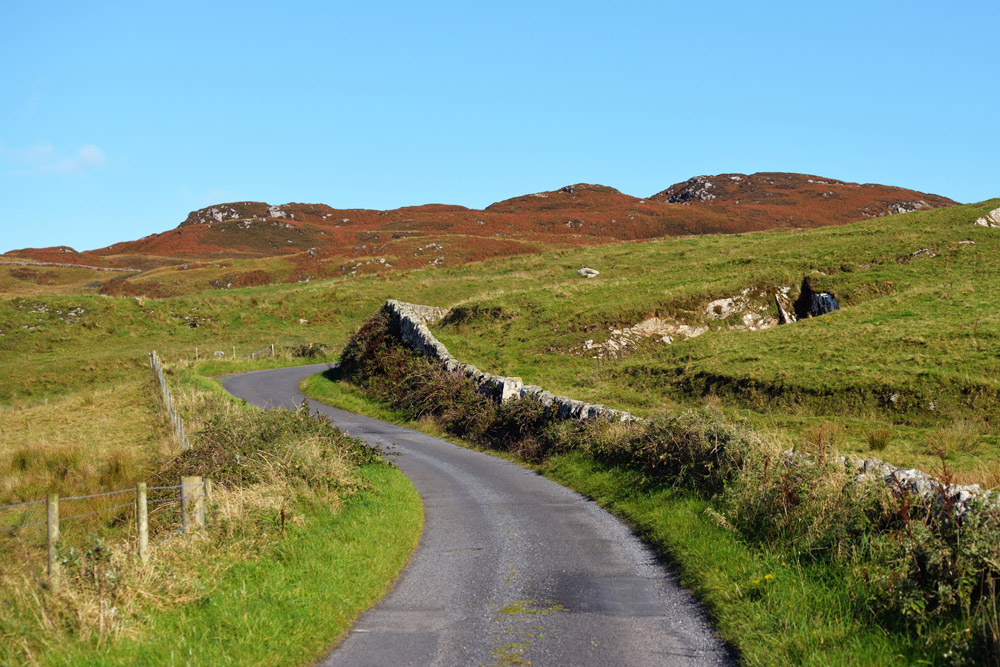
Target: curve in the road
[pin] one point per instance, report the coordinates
(511, 567)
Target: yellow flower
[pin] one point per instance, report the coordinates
(769, 576)
(756, 581)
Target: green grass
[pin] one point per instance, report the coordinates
(291, 605)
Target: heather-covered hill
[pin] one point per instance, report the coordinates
(253, 243)
(797, 199)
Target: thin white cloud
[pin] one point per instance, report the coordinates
(42, 158)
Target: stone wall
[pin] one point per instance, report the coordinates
(411, 320)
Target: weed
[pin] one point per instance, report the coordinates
(879, 438)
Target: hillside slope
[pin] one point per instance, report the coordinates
(253, 243)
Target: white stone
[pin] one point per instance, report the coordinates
(991, 219)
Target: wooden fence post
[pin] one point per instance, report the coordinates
(192, 504)
(208, 490)
(272, 350)
(142, 521)
(52, 521)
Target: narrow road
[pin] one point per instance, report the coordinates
(511, 568)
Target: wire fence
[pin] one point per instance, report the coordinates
(175, 418)
(190, 501)
(220, 355)
(266, 352)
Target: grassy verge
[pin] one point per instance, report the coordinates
(775, 610)
(290, 605)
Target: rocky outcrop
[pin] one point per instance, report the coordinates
(813, 304)
(786, 309)
(748, 306)
(917, 483)
(410, 322)
(620, 340)
(991, 219)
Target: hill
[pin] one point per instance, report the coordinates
(797, 199)
(255, 243)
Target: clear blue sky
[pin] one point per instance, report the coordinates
(116, 119)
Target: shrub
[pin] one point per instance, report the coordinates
(309, 351)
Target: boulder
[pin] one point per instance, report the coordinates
(991, 219)
(813, 304)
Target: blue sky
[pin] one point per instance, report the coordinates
(116, 119)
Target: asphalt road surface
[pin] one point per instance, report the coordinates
(512, 568)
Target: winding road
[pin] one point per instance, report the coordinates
(511, 569)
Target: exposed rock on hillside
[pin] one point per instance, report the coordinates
(991, 219)
(813, 304)
(747, 311)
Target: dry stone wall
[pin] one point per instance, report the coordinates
(411, 320)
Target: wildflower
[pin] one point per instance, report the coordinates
(768, 577)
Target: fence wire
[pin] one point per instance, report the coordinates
(172, 499)
(267, 351)
(24, 504)
(98, 495)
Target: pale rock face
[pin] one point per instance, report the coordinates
(222, 213)
(786, 309)
(276, 212)
(698, 189)
(991, 219)
(654, 327)
(907, 207)
(752, 317)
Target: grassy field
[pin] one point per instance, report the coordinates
(304, 523)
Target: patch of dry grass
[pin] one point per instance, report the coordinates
(95, 440)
